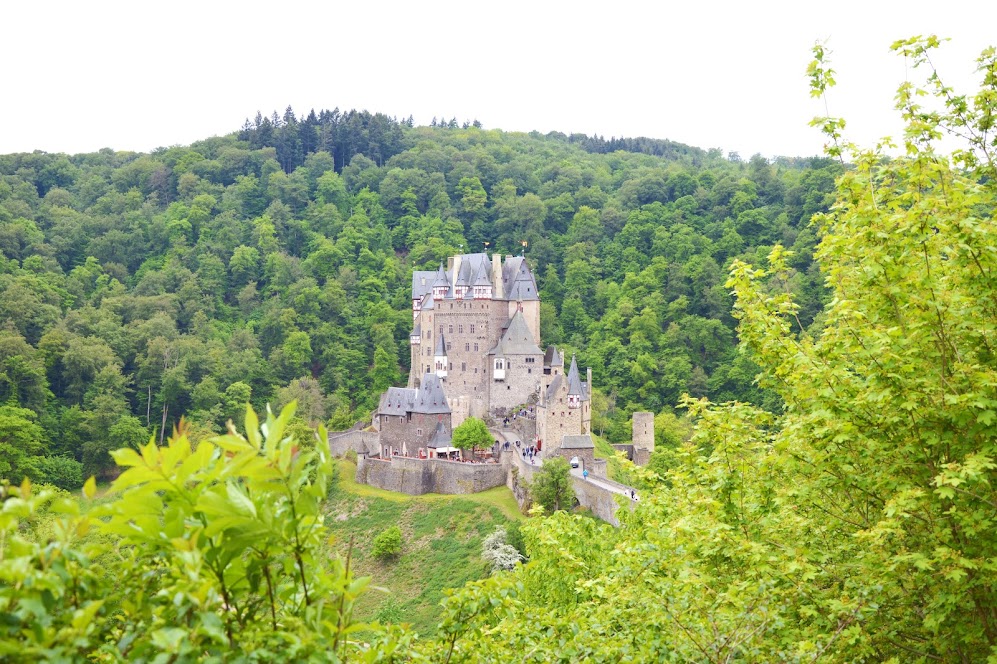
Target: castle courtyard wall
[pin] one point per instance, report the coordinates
(420, 476)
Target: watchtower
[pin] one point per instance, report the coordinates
(643, 437)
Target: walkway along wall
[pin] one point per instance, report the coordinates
(418, 476)
(590, 493)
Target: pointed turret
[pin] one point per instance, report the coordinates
(441, 287)
(482, 284)
(440, 357)
(574, 385)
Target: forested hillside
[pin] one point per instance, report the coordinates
(845, 511)
(274, 263)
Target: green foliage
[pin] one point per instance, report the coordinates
(22, 443)
(61, 472)
(472, 433)
(856, 523)
(215, 547)
(388, 543)
(551, 485)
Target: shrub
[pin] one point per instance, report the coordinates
(389, 543)
(62, 472)
(514, 537)
(501, 555)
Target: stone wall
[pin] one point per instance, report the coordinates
(460, 409)
(419, 476)
(522, 380)
(600, 501)
(526, 428)
(361, 442)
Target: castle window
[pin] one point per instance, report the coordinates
(467, 346)
(531, 360)
(529, 371)
(402, 420)
(418, 432)
(450, 329)
(463, 367)
(460, 329)
(472, 328)
(448, 345)
(475, 348)
(441, 329)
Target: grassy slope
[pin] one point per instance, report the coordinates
(614, 466)
(441, 544)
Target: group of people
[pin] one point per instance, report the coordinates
(530, 452)
(522, 412)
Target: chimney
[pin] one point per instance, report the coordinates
(588, 378)
(450, 263)
(498, 291)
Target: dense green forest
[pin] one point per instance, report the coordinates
(845, 510)
(274, 264)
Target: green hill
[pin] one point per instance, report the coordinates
(441, 544)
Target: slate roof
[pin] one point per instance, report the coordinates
(471, 265)
(517, 339)
(518, 281)
(574, 383)
(582, 442)
(552, 358)
(430, 397)
(427, 398)
(483, 278)
(441, 347)
(476, 270)
(440, 437)
(397, 401)
(554, 386)
(422, 283)
(417, 330)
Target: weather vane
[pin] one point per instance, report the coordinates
(524, 243)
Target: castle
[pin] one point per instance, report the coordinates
(475, 351)
(477, 328)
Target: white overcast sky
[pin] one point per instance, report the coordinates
(79, 76)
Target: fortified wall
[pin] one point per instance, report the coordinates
(603, 503)
(419, 476)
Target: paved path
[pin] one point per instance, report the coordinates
(602, 483)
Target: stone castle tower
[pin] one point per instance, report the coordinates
(643, 437)
(477, 328)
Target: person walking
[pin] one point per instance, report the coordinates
(585, 474)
